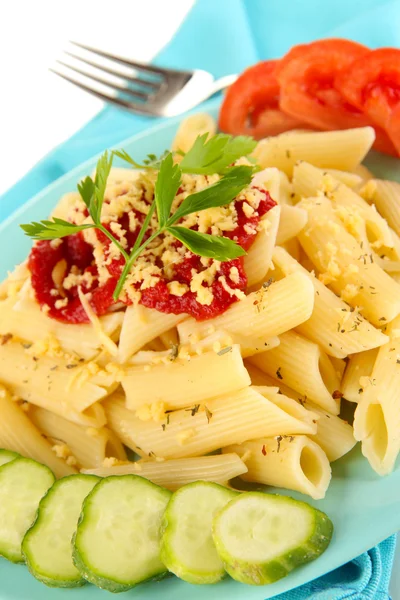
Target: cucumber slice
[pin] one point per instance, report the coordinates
(262, 537)
(7, 456)
(117, 543)
(23, 482)
(47, 544)
(187, 547)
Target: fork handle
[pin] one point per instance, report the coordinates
(222, 83)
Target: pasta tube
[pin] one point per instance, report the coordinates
(18, 433)
(229, 419)
(377, 416)
(386, 197)
(190, 128)
(334, 435)
(275, 308)
(342, 150)
(302, 366)
(140, 326)
(292, 462)
(337, 328)
(175, 473)
(258, 260)
(345, 267)
(63, 387)
(183, 382)
(359, 366)
(88, 445)
(26, 321)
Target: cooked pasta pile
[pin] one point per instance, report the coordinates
(264, 380)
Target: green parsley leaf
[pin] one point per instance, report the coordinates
(203, 244)
(51, 230)
(151, 162)
(86, 190)
(218, 194)
(216, 154)
(103, 169)
(166, 187)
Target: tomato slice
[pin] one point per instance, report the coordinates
(251, 104)
(394, 128)
(306, 76)
(373, 85)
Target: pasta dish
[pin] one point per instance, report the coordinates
(228, 310)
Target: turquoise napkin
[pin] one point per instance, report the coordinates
(225, 36)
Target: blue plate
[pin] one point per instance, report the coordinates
(363, 506)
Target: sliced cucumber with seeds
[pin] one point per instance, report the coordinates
(117, 542)
(23, 482)
(262, 537)
(187, 547)
(47, 544)
(7, 456)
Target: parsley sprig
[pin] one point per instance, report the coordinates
(206, 157)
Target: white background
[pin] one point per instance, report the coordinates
(40, 110)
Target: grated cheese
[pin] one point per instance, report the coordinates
(184, 436)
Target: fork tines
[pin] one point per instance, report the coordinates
(133, 86)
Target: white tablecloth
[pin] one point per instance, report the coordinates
(38, 109)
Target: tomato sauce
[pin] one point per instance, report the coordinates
(73, 251)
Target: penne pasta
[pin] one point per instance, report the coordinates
(88, 445)
(292, 221)
(229, 419)
(17, 433)
(140, 326)
(187, 381)
(359, 218)
(63, 387)
(334, 435)
(26, 321)
(343, 150)
(352, 180)
(219, 340)
(175, 473)
(358, 366)
(275, 308)
(258, 260)
(377, 416)
(385, 195)
(276, 183)
(363, 172)
(169, 338)
(313, 375)
(247, 382)
(336, 327)
(288, 404)
(190, 128)
(339, 364)
(343, 264)
(292, 462)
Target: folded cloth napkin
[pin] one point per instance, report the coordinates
(225, 37)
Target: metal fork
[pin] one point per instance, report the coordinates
(141, 88)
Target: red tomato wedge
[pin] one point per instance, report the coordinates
(373, 85)
(306, 76)
(394, 128)
(251, 104)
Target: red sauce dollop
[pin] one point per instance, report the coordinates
(75, 251)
